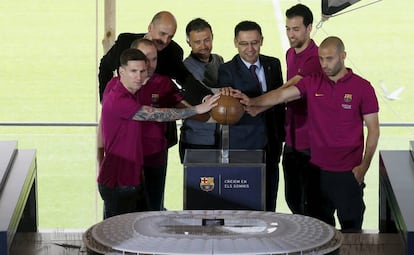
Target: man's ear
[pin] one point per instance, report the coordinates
(121, 70)
(309, 28)
(343, 55)
(149, 27)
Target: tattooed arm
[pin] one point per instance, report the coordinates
(148, 113)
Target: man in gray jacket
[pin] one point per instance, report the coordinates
(204, 66)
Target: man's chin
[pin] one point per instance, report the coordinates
(202, 56)
(161, 47)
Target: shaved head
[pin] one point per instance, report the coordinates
(162, 29)
(332, 57)
(164, 17)
(333, 41)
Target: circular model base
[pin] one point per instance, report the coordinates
(212, 232)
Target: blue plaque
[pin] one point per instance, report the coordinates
(211, 184)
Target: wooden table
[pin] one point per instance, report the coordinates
(70, 243)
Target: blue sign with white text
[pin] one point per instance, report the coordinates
(224, 187)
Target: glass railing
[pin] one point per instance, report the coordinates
(66, 170)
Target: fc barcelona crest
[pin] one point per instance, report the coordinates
(348, 98)
(207, 183)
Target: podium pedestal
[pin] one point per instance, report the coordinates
(236, 183)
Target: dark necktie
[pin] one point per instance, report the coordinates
(256, 79)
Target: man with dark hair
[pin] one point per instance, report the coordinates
(302, 59)
(204, 66)
(120, 174)
(161, 30)
(254, 74)
(339, 102)
(159, 92)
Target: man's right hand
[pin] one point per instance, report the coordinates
(208, 104)
(228, 91)
(244, 100)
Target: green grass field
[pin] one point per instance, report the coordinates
(50, 51)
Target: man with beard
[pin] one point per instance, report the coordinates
(204, 66)
(161, 31)
(339, 102)
(302, 60)
(120, 174)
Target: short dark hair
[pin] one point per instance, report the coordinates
(301, 11)
(197, 24)
(247, 25)
(131, 55)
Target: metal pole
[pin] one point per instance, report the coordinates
(224, 155)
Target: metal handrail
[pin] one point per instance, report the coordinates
(95, 124)
(51, 124)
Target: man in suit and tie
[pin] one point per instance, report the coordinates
(254, 74)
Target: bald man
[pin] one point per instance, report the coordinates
(120, 174)
(158, 92)
(338, 103)
(161, 31)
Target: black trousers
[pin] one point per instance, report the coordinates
(154, 179)
(273, 152)
(272, 185)
(301, 182)
(341, 192)
(122, 199)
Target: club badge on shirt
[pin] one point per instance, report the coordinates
(155, 100)
(347, 100)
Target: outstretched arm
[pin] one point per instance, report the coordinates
(148, 113)
(274, 97)
(292, 81)
(372, 123)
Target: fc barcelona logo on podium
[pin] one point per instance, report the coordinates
(207, 183)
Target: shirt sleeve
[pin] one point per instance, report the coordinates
(302, 85)
(122, 105)
(369, 100)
